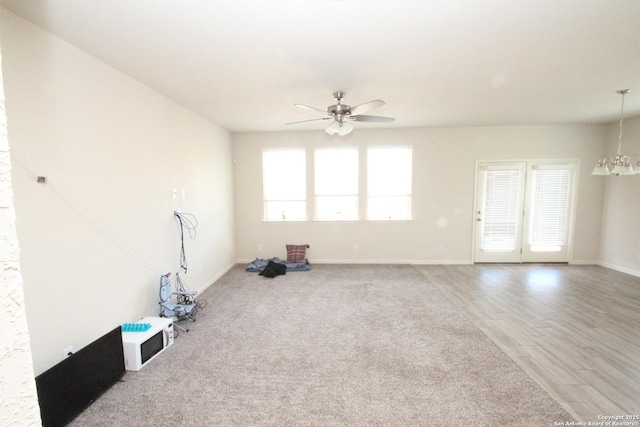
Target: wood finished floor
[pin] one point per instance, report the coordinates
(574, 329)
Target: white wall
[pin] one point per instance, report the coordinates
(97, 236)
(444, 173)
(620, 227)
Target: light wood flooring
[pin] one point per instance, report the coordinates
(574, 329)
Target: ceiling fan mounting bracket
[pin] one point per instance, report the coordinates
(339, 110)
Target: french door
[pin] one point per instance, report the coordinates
(523, 211)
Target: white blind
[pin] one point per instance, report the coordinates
(501, 210)
(550, 205)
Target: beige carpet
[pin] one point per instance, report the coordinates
(357, 345)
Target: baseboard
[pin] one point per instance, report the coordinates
(379, 261)
(621, 269)
(443, 262)
(217, 277)
(583, 262)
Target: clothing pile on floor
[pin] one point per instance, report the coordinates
(275, 266)
(272, 267)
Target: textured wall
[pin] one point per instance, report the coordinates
(18, 397)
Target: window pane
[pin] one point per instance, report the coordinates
(501, 210)
(389, 182)
(284, 184)
(389, 207)
(388, 171)
(336, 171)
(550, 208)
(337, 207)
(285, 210)
(336, 183)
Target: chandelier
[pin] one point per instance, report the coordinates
(620, 164)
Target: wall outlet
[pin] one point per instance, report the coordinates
(355, 247)
(68, 352)
(259, 246)
(440, 247)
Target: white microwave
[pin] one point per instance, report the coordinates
(144, 340)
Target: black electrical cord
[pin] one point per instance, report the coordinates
(190, 223)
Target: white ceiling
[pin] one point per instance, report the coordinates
(244, 63)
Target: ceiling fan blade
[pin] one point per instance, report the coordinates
(363, 118)
(310, 120)
(362, 108)
(316, 110)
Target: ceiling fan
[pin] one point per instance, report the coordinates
(342, 114)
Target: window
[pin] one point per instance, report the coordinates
(336, 183)
(284, 184)
(550, 207)
(501, 208)
(389, 183)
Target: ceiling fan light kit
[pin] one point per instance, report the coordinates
(620, 164)
(342, 114)
(341, 128)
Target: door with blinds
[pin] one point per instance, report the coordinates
(523, 211)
